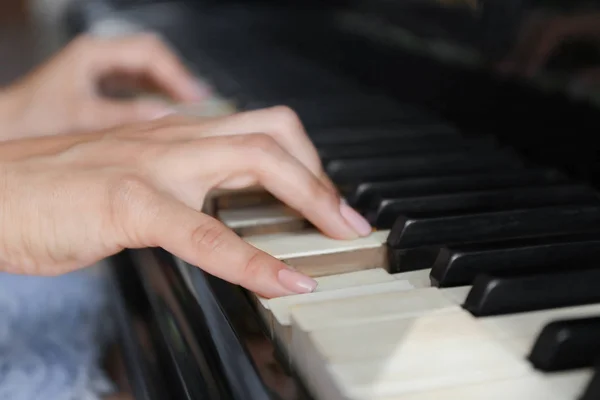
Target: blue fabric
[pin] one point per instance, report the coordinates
(53, 331)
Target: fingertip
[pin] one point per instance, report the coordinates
(199, 91)
(295, 281)
(356, 221)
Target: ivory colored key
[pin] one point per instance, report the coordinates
(529, 387)
(317, 255)
(334, 282)
(366, 307)
(520, 331)
(280, 307)
(406, 355)
(262, 220)
(569, 385)
(419, 278)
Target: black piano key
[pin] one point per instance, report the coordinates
(384, 168)
(567, 344)
(406, 147)
(493, 295)
(460, 265)
(344, 136)
(438, 230)
(367, 194)
(480, 201)
(592, 390)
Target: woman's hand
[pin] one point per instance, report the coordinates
(68, 201)
(63, 95)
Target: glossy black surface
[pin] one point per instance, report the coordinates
(478, 201)
(567, 344)
(440, 229)
(492, 295)
(369, 194)
(459, 265)
(205, 338)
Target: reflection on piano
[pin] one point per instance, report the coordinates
(459, 128)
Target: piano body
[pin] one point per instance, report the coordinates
(464, 130)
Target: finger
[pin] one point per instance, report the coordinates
(147, 55)
(281, 123)
(206, 243)
(115, 113)
(224, 162)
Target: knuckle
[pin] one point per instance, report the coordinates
(319, 193)
(259, 144)
(152, 42)
(209, 236)
(286, 118)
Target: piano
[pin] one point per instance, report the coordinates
(463, 130)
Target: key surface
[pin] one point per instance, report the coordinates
(459, 265)
(343, 281)
(366, 308)
(480, 201)
(383, 168)
(311, 243)
(530, 387)
(420, 353)
(368, 194)
(567, 344)
(280, 308)
(249, 220)
(336, 137)
(494, 295)
(435, 230)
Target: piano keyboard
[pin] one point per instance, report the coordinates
(479, 279)
(475, 284)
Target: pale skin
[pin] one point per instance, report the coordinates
(82, 178)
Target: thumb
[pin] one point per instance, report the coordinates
(115, 113)
(206, 243)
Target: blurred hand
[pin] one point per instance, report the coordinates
(68, 201)
(542, 35)
(63, 95)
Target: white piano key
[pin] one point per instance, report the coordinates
(418, 278)
(311, 243)
(366, 307)
(457, 294)
(529, 387)
(569, 384)
(406, 355)
(280, 307)
(343, 281)
(258, 216)
(520, 331)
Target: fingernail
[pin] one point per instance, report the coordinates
(202, 90)
(296, 282)
(355, 220)
(163, 113)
